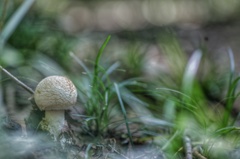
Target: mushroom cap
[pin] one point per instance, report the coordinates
(55, 93)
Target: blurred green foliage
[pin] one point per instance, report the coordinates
(118, 98)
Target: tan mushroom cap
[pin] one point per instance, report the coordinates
(55, 93)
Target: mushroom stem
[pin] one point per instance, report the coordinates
(54, 94)
(55, 120)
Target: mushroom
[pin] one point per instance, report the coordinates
(54, 94)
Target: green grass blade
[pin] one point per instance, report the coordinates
(132, 82)
(231, 97)
(129, 96)
(124, 112)
(96, 67)
(191, 71)
(80, 63)
(233, 83)
(231, 59)
(232, 71)
(169, 110)
(227, 130)
(175, 91)
(87, 152)
(110, 70)
(152, 121)
(14, 21)
(167, 144)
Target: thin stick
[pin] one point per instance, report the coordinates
(188, 147)
(17, 80)
(198, 155)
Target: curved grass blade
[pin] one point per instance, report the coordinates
(231, 97)
(152, 121)
(132, 82)
(231, 59)
(169, 110)
(176, 91)
(124, 112)
(191, 71)
(80, 63)
(227, 130)
(14, 21)
(96, 67)
(87, 152)
(110, 70)
(232, 85)
(166, 145)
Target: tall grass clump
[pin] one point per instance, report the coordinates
(102, 97)
(231, 95)
(182, 107)
(95, 93)
(197, 127)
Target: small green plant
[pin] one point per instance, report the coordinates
(97, 92)
(231, 93)
(107, 102)
(99, 95)
(196, 126)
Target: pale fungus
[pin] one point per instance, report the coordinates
(55, 94)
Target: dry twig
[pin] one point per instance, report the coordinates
(197, 154)
(17, 80)
(188, 147)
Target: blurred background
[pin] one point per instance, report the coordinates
(54, 28)
(150, 39)
(139, 28)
